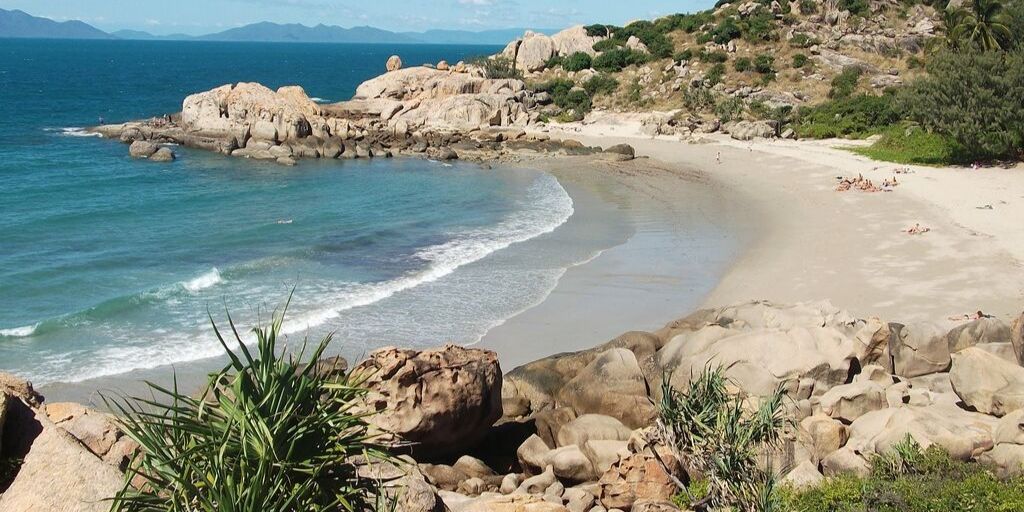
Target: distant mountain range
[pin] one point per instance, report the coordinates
(22, 25)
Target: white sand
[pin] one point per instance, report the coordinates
(850, 247)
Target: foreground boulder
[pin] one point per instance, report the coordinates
(60, 475)
(986, 382)
(438, 400)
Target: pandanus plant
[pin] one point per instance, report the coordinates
(268, 433)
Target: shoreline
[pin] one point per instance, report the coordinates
(852, 248)
(613, 280)
(779, 207)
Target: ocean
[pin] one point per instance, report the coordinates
(109, 265)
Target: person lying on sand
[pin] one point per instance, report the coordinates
(970, 317)
(917, 230)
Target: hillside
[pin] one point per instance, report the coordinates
(807, 68)
(20, 24)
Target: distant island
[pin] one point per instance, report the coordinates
(19, 24)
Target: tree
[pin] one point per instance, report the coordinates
(985, 25)
(977, 98)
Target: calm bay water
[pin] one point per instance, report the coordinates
(109, 265)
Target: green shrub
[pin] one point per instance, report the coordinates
(683, 56)
(912, 145)
(742, 64)
(711, 433)
(928, 481)
(618, 59)
(726, 31)
(554, 62)
(657, 43)
(975, 98)
(577, 62)
(635, 93)
(698, 99)
(600, 84)
(845, 83)
(712, 56)
(608, 44)
(856, 7)
(801, 40)
(914, 62)
(268, 433)
(855, 116)
(575, 103)
(714, 75)
(760, 26)
(689, 23)
(764, 64)
(808, 7)
(600, 30)
(499, 67)
(800, 60)
(729, 109)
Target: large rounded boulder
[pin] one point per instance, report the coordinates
(436, 400)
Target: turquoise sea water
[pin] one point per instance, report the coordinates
(109, 264)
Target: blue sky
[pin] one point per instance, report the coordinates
(204, 16)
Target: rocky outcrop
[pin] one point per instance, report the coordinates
(59, 474)
(533, 51)
(986, 382)
(247, 111)
(438, 400)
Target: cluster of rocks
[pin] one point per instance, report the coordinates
(533, 51)
(574, 431)
(440, 113)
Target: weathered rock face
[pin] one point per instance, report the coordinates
(1017, 338)
(986, 382)
(750, 130)
(613, 385)
(96, 431)
(636, 478)
(142, 149)
(920, 349)
(439, 400)
(963, 434)
(424, 97)
(532, 52)
(60, 475)
(247, 110)
(808, 349)
(851, 401)
(574, 40)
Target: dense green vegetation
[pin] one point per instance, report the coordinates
(268, 433)
(912, 145)
(976, 98)
(911, 480)
(618, 59)
(969, 106)
(714, 435)
(577, 62)
(857, 116)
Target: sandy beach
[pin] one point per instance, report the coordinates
(852, 247)
(763, 223)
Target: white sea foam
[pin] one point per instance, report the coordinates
(207, 280)
(78, 132)
(546, 207)
(19, 332)
(320, 100)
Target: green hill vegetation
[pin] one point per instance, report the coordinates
(939, 83)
